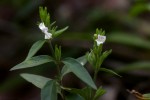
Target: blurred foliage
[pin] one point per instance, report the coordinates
(127, 27)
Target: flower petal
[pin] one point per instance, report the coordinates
(48, 35)
(100, 40)
(43, 27)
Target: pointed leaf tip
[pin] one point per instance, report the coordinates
(37, 80)
(35, 47)
(49, 92)
(79, 71)
(34, 61)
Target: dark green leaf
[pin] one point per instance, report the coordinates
(57, 53)
(45, 16)
(73, 97)
(79, 71)
(35, 47)
(82, 60)
(38, 81)
(104, 56)
(65, 70)
(99, 93)
(100, 31)
(82, 92)
(49, 92)
(109, 71)
(60, 31)
(34, 61)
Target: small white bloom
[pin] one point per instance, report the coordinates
(100, 39)
(48, 35)
(44, 29)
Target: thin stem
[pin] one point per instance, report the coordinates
(58, 69)
(94, 78)
(53, 53)
(59, 78)
(95, 75)
(51, 47)
(95, 72)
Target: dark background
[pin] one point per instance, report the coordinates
(127, 26)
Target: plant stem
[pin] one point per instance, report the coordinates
(51, 47)
(94, 78)
(59, 79)
(58, 69)
(95, 75)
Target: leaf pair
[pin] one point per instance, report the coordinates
(72, 64)
(31, 61)
(48, 86)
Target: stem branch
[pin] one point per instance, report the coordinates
(58, 63)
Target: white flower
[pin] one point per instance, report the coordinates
(44, 29)
(100, 39)
(48, 35)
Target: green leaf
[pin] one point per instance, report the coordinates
(82, 92)
(79, 71)
(38, 81)
(82, 60)
(49, 92)
(65, 70)
(100, 31)
(60, 31)
(92, 58)
(73, 97)
(57, 53)
(34, 61)
(104, 56)
(44, 15)
(109, 71)
(99, 93)
(35, 47)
